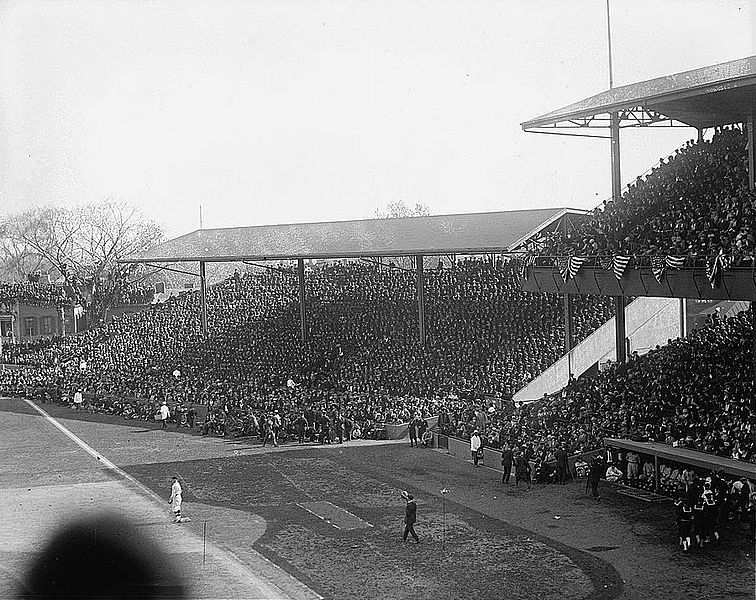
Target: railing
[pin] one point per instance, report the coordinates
(601, 261)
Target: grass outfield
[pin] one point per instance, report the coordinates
(332, 518)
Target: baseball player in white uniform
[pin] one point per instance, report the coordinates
(175, 500)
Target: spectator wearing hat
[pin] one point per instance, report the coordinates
(594, 476)
(561, 464)
(522, 469)
(506, 463)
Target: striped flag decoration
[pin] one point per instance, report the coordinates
(575, 263)
(712, 271)
(619, 264)
(675, 262)
(715, 267)
(658, 265)
(563, 266)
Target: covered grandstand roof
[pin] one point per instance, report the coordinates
(471, 233)
(715, 95)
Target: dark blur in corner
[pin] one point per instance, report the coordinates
(101, 556)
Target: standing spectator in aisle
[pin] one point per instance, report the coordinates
(506, 464)
(164, 414)
(561, 465)
(413, 432)
(276, 427)
(78, 399)
(522, 469)
(191, 417)
(410, 517)
(633, 468)
(300, 426)
(475, 446)
(597, 471)
(422, 427)
(267, 430)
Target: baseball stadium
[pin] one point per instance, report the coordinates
(538, 403)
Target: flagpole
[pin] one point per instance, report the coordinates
(609, 44)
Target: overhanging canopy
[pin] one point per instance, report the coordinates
(474, 233)
(707, 97)
(686, 456)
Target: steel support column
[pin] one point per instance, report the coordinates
(656, 473)
(420, 297)
(753, 335)
(750, 126)
(203, 297)
(619, 329)
(683, 318)
(302, 299)
(567, 304)
(615, 152)
(568, 330)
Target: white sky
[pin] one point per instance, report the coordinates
(288, 111)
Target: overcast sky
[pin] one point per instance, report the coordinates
(274, 112)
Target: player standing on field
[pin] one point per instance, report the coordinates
(175, 500)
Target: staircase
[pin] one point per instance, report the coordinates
(649, 322)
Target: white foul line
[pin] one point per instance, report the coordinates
(272, 587)
(92, 452)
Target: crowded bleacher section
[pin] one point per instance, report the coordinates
(485, 338)
(695, 202)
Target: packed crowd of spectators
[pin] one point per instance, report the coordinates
(135, 294)
(32, 294)
(485, 337)
(696, 202)
(695, 392)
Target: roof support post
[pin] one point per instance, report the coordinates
(750, 126)
(302, 299)
(420, 297)
(567, 324)
(203, 297)
(753, 335)
(656, 473)
(683, 317)
(615, 150)
(568, 332)
(619, 329)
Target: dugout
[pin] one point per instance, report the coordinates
(683, 456)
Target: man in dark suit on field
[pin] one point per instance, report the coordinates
(561, 464)
(506, 463)
(410, 517)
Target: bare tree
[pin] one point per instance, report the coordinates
(82, 246)
(398, 210)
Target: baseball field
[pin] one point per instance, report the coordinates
(317, 521)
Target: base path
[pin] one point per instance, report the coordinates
(49, 477)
